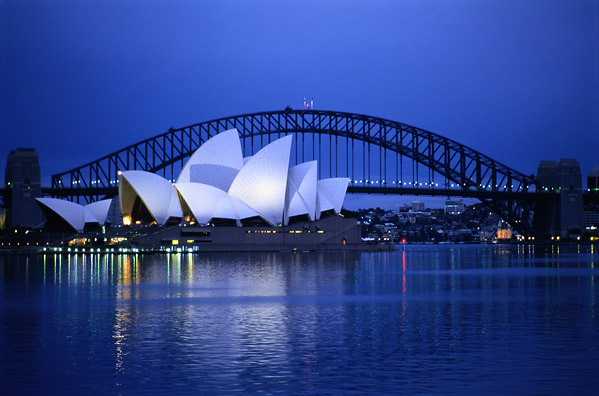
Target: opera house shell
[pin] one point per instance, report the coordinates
(217, 182)
(75, 216)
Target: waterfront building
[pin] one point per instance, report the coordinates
(504, 233)
(591, 219)
(216, 185)
(417, 206)
(454, 206)
(62, 214)
(23, 181)
(593, 181)
(564, 216)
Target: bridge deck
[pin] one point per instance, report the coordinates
(383, 190)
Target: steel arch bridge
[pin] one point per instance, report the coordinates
(378, 155)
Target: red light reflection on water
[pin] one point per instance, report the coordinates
(403, 289)
(403, 270)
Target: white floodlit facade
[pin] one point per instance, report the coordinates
(331, 193)
(217, 182)
(222, 152)
(300, 198)
(262, 181)
(213, 175)
(157, 195)
(199, 200)
(99, 210)
(77, 216)
(234, 209)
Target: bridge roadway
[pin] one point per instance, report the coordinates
(384, 190)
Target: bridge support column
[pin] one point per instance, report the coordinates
(562, 216)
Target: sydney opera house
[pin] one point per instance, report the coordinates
(221, 198)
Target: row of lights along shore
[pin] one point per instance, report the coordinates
(60, 250)
(54, 250)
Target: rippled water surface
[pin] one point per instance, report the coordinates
(432, 319)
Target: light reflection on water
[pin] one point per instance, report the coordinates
(431, 319)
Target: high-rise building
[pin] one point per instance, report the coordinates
(22, 179)
(593, 181)
(563, 216)
(417, 206)
(591, 218)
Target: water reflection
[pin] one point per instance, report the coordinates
(428, 319)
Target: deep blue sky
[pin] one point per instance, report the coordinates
(517, 80)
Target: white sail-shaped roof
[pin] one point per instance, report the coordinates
(233, 208)
(223, 149)
(99, 210)
(214, 175)
(322, 204)
(89, 218)
(201, 199)
(301, 191)
(218, 182)
(71, 212)
(174, 209)
(77, 215)
(156, 193)
(331, 193)
(262, 181)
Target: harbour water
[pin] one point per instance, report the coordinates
(431, 319)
